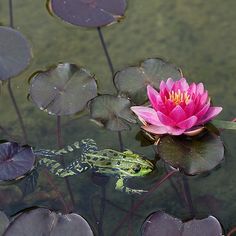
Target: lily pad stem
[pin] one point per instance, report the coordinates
(110, 64)
(59, 144)
(141, 200)
(9, 81)
(188, 197)
(17, 111)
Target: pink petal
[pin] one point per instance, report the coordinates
(155, 129)
(192, 89)
(200, 89)
(189, 108)
(147, 114)
(181, 85)
(165, 120)
(169, 83)
(188, 123)
(154, 97)
(175, 130)
(203, 111)
(211, 113)
(163, 130)
(204, 97)
(177, 114)
(162, 85)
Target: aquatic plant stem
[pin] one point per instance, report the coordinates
(188, 197)
(17, 111)
(231, 231)
(111, 67)
(140, 201)
(59, 144)
(11, 24)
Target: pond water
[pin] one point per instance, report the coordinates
(198, 36)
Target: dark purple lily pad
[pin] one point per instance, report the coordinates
(88, 13)
(42, 221)
(132, 81)
(15, 160)
(192, 155)
(160, 223)
(15, 53)
(111, 112)
(63, 90)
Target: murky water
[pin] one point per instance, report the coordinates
(196, 35)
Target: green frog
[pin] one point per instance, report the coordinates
(122, 165)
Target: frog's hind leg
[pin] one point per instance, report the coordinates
(121, 187)
(56, 168)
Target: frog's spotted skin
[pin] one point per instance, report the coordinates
(123, 165)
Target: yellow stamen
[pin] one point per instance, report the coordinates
(178, 97)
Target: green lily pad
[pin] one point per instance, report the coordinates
(42, 221)
(132, 81)
(15, 53)
(63, 90)
(192, 155)
(160, 223)
(111, 112)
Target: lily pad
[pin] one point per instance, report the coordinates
(15, 160)
(88, 13)
(160, 223)
(42, 221)
(132, 81)
(111, 112)
(192, 155)
(63, 90)
(15, 53)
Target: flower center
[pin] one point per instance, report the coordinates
(179, 97)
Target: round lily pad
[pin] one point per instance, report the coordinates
(88, 13)
(160, 223)
(63, 90)
(15, 53)
(15, 160)
(111, 112)
(132, 81)
(42, 221)
(192, 155)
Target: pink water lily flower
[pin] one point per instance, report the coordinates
(177, 108)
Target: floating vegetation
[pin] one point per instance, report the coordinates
(15, 161)
(88, 13)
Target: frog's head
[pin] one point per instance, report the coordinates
(142, 168)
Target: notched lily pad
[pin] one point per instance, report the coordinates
(111, 112)
(45, 222)
(192, 155)
(63, 90)
(15, 53)
(132, 81)
(15, 160)
(160, 223)
(88, 13)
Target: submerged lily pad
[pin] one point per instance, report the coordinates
(192, 155)
(160, 223)
(88, 13)
(15, 160)
(132, 81)
(63, 90)
(15, 53)
(42, 221)
(111, 112)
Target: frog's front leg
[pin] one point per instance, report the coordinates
(121, 187)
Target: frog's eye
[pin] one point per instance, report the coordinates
(137, 168)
